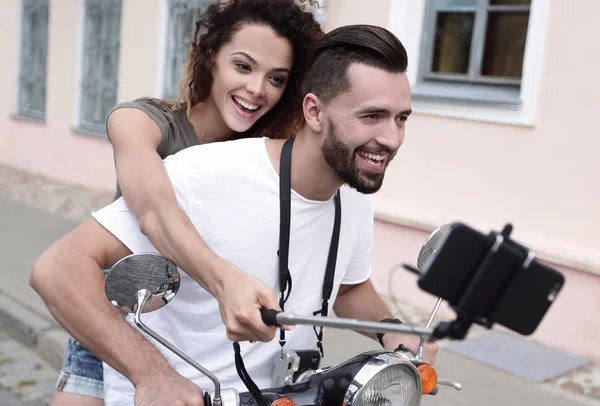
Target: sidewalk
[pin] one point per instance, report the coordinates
(35, 212)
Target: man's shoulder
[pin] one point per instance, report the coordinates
(217, 150)
(208, 163)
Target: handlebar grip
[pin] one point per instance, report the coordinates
(207, 399)
(269, 317)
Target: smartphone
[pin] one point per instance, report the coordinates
(490, 277)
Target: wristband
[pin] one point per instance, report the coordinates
(380, 335)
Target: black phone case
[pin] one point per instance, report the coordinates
(507, 293)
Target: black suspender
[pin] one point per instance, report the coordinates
(285, 280)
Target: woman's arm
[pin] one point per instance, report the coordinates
(149, 194)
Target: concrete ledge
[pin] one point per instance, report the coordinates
(39, 333)
(550, 249)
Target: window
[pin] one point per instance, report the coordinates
(100, 65)
(318, 9)
(31, 96)
(473, 49)
(182, 16)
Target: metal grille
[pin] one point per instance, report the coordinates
(183, 15)
(99, 79)
(318, 10)
(34, 49)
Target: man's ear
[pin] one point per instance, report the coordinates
(312, 108)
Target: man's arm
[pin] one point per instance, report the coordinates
(362, 302)
(72, 268)
(68, 276)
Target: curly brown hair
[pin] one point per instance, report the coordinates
(289, 18)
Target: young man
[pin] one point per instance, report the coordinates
(356, 103)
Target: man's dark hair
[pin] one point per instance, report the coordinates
(327, 66)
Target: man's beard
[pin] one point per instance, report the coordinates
(342, 160)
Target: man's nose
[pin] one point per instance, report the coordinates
(391, 136)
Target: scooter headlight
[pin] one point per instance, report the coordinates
(387, 379)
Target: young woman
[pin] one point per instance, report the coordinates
(242, 79)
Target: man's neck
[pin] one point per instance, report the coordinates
(311, 176)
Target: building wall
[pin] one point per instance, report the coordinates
(141, 43)
(540, 176)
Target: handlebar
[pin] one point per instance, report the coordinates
(277, 319)
(269, 317)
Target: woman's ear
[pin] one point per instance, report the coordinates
(313, 112)
(210, 59)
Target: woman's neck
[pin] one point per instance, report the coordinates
(208, 123)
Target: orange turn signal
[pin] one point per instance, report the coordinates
(429, 378)
(283, 402)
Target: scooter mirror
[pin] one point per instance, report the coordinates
(137, 272)
(431, 244)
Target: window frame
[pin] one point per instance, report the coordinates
(82, 124)
(481, 9)
(503, 105)
(167, 48)
(21, 110)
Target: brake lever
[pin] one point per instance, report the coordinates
(445, 382)
(450, 383)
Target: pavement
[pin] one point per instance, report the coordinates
(25, 378)
(35, 212)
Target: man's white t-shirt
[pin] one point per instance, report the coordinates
(230, 191)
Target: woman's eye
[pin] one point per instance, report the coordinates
(278, 80)
(243, 66)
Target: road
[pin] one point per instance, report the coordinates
(25, 379)
(25, 232)
(482, 385)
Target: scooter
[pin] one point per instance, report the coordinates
(141, 283)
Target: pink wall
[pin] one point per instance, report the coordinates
(568, 325)
(543, 178)
(55, 151)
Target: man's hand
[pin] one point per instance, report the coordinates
(411, 342)
(168, 389)
(240, 298)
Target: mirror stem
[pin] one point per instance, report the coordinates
(142, 296)
(419, 354)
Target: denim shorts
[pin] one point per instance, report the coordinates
(82, 372)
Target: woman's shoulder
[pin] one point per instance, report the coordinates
(152, 106)
(158, 110)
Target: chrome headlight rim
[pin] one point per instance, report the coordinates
(374, 367)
